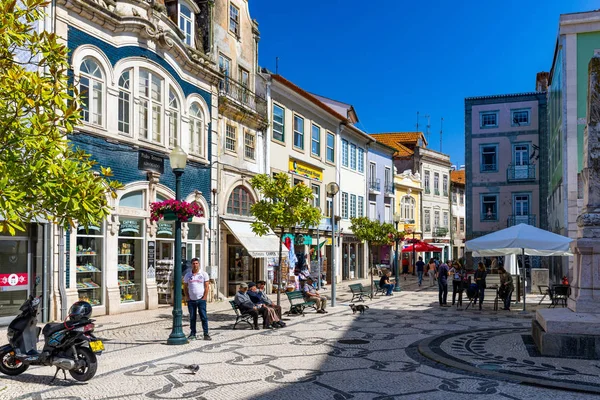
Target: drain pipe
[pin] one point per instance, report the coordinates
(61, 273)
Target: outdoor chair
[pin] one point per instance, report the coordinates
(359, 291)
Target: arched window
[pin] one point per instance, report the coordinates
(125, 103)
(173, 119)
(407, 205)
(91, 88)
(151, 108)
(240, 201)
(133, 199)
(196, 129)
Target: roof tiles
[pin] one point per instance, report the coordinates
(458, 176)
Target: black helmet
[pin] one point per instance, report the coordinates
(80, 310)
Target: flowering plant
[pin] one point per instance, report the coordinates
(396, 235)
(183, 210)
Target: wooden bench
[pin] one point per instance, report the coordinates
(239, 316)
(298, 303)
(359, 291)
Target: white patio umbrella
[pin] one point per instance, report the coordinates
(520, 239)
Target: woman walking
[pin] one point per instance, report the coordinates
(431, 271)
(457, 277)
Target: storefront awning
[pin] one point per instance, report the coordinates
(257, 246)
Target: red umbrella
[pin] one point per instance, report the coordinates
(420, 247)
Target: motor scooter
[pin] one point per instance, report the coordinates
(69, 345)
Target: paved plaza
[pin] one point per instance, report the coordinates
(404, 346)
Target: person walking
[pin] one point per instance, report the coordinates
(405, 267)
(506, 281)
(480, 276)
(442, 277)
(457, 277)
(195, 288)
(420, 267)
(431, 271)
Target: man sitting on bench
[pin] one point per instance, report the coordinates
(311, 294)
(246, 306)
(384, 283)
(260, 299)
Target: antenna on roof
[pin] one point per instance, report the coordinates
(417, 121)
(441, 130)
(276, 65)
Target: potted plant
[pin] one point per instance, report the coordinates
(171, 210)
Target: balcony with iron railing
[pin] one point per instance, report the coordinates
(520, 219)
(427, 190)
(489, 216)
(389, 189)
(239, 102)
(439, 231)
(520, 173)
(375, 186)
(436, 192)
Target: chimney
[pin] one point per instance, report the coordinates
(541, 81)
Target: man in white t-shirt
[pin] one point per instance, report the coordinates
(195, 287)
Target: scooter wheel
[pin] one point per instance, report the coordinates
(9, 365)
(91, 365)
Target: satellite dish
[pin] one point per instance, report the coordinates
(332, 188)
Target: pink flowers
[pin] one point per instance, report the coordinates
(182, 210)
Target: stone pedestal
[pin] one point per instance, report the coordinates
(575, 331)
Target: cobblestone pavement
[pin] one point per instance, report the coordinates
(404, 346)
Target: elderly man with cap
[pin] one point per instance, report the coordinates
(261, 297)
(272, 320)
(311, 294)
(246, 306)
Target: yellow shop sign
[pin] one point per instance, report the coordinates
(306, 170)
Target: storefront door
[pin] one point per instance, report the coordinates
(15, 275)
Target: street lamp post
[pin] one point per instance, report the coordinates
(414, 252)
(332, 189)
(178, 159)
(397, 240)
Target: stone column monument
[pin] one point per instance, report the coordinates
(575, 331)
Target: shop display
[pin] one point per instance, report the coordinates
(164, 280)
(88, 267)
(129, 260)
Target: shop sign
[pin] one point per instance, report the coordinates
(150, 162)
(11, 280)
(164, 228)
(306, 170)
(151, 273)
(128, 225)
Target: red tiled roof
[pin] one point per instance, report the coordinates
(404, 137)
(458, 176)
(400, 141)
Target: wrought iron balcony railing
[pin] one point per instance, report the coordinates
(243, 95)
(436, 192)
(520, 172)
(489, 216)
(389, 188)
(375, 185)
(520, 219)
(427, 190)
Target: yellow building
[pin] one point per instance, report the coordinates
(408, 206)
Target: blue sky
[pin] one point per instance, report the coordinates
(392, 58)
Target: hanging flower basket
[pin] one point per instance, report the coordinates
(396, 236)
(172, 210)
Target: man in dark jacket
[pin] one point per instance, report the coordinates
(246, 306)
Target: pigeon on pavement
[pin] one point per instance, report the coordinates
(194, 368)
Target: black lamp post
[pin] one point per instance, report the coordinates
(178, 159)
(397, 240)
(332, 189)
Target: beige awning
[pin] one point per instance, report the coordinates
(257, 246)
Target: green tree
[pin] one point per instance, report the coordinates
(280, 208)
(374, 233)
(41, 175)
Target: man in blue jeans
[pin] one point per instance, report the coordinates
(195, 287)
(420, 267)
(384, 283)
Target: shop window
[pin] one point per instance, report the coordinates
(240, 201)
(89, 264)
(133, 200)
(165, 243)
(130, 255)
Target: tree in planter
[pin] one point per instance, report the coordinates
(280, 208)
(41, 174)
(374, 233)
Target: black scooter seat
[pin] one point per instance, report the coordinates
(49, 329)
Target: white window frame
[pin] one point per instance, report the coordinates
(316, 189)
(184, 22)
(173, 117)
(407, 208)
(345, 152)
(231, 138)
(315, 141)
(361, 160)
(436, 183)
(352, 206)
(493, 167)
(93, 110)
(125, 103)
(360, 206)
(196, 129)
(517, 114)
(344, 205)
(445, 185)
(427, 219)
(445, 219)
(484, 200)
(484, 119)
(279, 127)
(234, 19)
(427, 181)
(352, 156)
(298, 133)
(154, 107)
(330, 148)
(249, 145)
